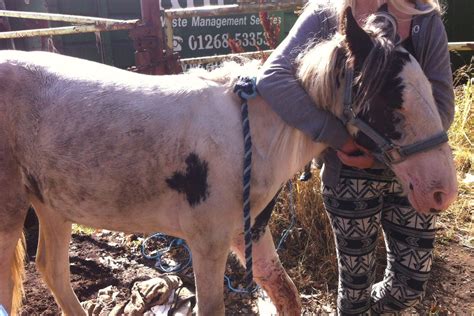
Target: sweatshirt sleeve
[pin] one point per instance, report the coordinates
(437, 68)
(278, 85)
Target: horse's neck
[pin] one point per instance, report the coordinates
(279, 149)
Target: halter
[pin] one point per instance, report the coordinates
(389, 153)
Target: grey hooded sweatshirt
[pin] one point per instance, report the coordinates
(277, 85)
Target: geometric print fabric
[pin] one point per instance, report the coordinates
(363, 202)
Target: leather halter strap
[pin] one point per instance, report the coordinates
(389, 153)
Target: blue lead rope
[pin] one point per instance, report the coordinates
(246, 89)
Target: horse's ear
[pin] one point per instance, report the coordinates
(383, 8)
(358, 40)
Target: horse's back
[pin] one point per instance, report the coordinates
(92, 136)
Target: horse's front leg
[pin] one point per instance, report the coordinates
(209, 260)
(52, 258)
(270, 274)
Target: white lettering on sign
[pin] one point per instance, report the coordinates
(180, 22)
(218, 22)
(255, 20)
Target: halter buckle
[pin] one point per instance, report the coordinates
(393, 155)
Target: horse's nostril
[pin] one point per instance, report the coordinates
(411, 186)
(438, 197)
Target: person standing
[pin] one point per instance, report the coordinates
(360, 194)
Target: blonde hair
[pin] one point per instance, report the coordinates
(404, 6)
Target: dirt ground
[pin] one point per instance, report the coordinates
(101, 259)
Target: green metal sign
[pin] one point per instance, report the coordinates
(200, 36)
(205, 36)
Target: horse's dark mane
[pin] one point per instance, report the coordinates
(384, 62)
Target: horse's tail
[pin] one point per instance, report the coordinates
(18, 274)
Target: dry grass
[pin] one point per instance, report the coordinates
(309, 255)
(457, 222)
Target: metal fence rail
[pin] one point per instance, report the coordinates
(57, 17)
(89, 24)
(461, 46)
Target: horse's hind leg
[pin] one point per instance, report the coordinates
(52, 258)
(13, 207)
(11, 263)
(270, 274)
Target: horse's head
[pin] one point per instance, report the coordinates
(391, 110)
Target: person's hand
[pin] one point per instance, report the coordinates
(354, 155)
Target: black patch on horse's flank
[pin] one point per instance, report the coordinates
(262, 219)
(193, 182)
(382, 114)
(32, 185)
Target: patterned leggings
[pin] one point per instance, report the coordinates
(356, 207)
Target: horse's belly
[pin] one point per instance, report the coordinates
(158, 213)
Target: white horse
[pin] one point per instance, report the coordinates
(90, 144)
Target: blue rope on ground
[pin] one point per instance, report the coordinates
(246, 290)
(158, 254)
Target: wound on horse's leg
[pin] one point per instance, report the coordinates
(270, 274)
